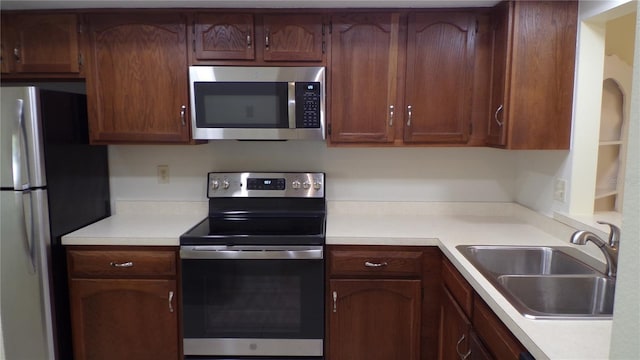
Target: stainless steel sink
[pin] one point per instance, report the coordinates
(564, 296)
(525, 260)
(545, 282)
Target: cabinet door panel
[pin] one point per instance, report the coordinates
(455, 329)
(45, 43)
(374, 320)
(440, 59)
(124, 319)
(137, 81)
(291, 37)
(224, 36)
(502, 27)
(5, 47)
(364, 77)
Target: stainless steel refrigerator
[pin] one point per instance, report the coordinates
(53, 182)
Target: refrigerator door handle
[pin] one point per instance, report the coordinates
(28, 223)
(18, 143)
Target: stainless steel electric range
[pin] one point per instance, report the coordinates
(253, 270)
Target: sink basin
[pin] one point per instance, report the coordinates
(545, 282)
(525, 260)
(565, 296)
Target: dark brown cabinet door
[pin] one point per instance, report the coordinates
(439, 81)
(41, 43)
(222, 36)
(292, 37)
(536, 89)
(497, 135)
(5, 54)
(455, 329)
(364, 71)
(124, 319)
(137, 86)
(374, 319)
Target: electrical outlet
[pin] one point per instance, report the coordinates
(560, 190)
(163, 174)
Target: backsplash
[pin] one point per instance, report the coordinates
(362, 174)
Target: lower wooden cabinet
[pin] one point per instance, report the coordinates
(468, 327)
(119, 308)
(382, 302)
(375, 319)
(455, 329)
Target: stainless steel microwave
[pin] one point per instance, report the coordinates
(257, 103)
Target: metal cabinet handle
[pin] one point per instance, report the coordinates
(127, 264)
(409, 114)
(16, 53)
(183, 111)
(170, 301)
(460, 355)
(248, 40)
(335, 300)
(391, 108)
(375, 265)
(495, 116)
(266, 39)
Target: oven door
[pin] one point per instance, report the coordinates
(253, 300)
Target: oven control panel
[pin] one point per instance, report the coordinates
(262, 184)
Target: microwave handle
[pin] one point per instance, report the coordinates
(183, 113)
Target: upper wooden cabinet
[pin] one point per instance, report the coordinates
(223, 36)
(439, 77)
(385, 92)
(253, 38)
(137, 85)
(41, 44)
(364, 78)
(534, 45)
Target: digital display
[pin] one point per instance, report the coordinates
(266, 184)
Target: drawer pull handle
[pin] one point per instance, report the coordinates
(335, 300)
(170, 301)
(127, 264)
(391, 111)
(375, 265)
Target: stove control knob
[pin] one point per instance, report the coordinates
(317, 185)
(225, 184)
(296, 184)
(215, 184)
(306, 184)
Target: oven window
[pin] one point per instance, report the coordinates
(241, 104)
(271, 299)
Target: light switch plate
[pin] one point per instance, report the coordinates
(560, 190)
(163, 174)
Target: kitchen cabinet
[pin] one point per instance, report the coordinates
(380, 303)
(41, 45)
(364, 77)
(137, 84)
(468, 327)
(256, 38)
(123, 303)
(421, 93)
(533, 64)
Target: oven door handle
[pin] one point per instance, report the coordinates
(247, 252)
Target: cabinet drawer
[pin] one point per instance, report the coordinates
(458, 286)
(120, 263)
(375, 262)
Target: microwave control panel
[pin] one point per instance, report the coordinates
(308, 105)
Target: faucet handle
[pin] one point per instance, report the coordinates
(614, 234)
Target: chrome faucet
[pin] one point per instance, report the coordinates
(610, 249)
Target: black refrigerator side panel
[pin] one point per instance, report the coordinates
(78, 188)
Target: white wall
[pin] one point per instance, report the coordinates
(401, 174)
(626, 320)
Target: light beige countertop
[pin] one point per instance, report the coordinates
(445, 225)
